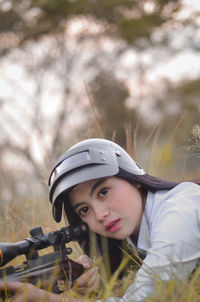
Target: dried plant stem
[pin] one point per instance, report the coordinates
(93, 110)
(131, 139)
(167, 143)
(153, 147)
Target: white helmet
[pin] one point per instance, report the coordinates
(87, 160)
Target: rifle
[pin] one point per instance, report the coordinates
(46, 268)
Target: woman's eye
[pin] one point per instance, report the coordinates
(103, 192)
(83, 211)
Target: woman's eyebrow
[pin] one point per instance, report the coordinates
(78, 204)
(96, 184)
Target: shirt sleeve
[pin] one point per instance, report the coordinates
(174, 244)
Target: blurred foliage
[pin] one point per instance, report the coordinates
(130, 20)
(194, 141)
(178, 101)
(19, 216)
(153, 121)
(141, 27)
(178, 290)
(113, 115)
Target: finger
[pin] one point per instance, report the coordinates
(81, 290)
(96, 285)
(94, 280)
(11, 286)
(93, 286)
(85, 261)
(84, 279)
(30, 293)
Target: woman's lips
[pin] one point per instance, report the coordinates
(113, 226)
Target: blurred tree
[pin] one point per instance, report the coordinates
(108, 30)
(133, 21)
(180, 100)
(109, 96)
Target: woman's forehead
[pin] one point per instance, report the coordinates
(87, 186)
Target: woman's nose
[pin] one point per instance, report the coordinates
(101, 212)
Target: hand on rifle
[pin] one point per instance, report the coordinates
(90, 280)
(28, 292)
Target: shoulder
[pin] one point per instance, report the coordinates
(181, 192)
(175, 217)
(180, 203)
(186, 186)
(171, 216)
(185, 192)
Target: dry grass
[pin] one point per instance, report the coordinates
(19, 216)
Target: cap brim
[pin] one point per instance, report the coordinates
(74, 178)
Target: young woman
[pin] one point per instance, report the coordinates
(96, 181)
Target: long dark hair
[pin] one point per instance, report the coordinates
(148, 183)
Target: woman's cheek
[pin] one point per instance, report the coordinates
(115, 203)
(91, 222)
(86, 218)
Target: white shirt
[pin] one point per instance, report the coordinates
(170, 233)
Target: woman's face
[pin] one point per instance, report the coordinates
(110, 206)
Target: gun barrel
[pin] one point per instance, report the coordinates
(9, 251)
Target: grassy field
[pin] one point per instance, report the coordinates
(17, 218)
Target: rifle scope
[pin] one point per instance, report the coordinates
(39, 240)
